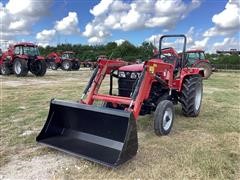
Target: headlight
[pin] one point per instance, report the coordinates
(121, 74)
(133, 75)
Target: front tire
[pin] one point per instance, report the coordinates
(54, 66)
(191, 96)
(38, 68)
(66, 65)
(163, 118)
(5, 69)
(20, 67)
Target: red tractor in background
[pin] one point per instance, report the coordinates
(66, 61)
(21, 58)
(106, 132)
(197, 58)
(194, 58)
(89, 64)
(93, 64)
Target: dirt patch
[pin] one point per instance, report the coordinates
(27, 133)
(49, 79)
(40, 167)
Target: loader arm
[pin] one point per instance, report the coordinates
(104, 67)
(154, 70)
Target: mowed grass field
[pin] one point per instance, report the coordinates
(206, 147)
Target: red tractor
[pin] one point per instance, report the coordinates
(89, 64)
(21, 58)
(66, 61)
(197, 58)
(106, 132)
(194, 58)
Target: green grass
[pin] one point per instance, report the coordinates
(205, 147)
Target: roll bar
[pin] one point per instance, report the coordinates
(184, 45)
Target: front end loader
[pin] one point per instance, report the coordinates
(107, 133)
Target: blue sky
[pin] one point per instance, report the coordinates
(209, 25)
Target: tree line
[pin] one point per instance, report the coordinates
(232, 59)
(126, 51)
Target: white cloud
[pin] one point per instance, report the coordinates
(132, 19)
(201, 44)
(154, 39)
(118, 6)
(19, 24)
(189, 35)
(193, 41)
(16, 6)
(95, 40)
(227, 44)
(168, 13)
(68, 25)
(226, 22)
(101, 7)
(43, 44)
(46, 35)
(138, 14)
(96, 34)
(17, 17)
(119, 41)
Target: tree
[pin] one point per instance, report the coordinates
(146, 51)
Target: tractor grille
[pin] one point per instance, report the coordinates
(125, 86)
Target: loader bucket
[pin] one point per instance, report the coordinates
(102, 135)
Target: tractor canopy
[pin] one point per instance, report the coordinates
(69, 55)
(28, 50)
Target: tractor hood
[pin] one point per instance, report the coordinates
(40, 57)
(133, 67)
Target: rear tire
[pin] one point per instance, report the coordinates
(191, 96)
(66, 65)
(163, 118)
(38, 67)
(20, 67)
(5, 69)
(207, 69)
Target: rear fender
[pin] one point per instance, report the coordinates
(186, 72)
(199, 61)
